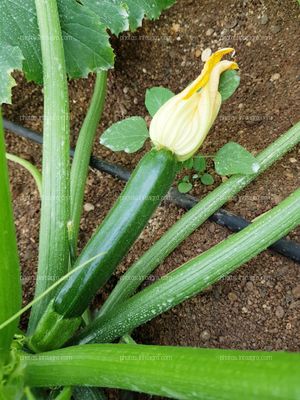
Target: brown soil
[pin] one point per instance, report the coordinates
(258, 306)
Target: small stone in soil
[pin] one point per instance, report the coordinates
(197, 53)
(275, 28)
(88, 207)
(232, 296)
(279, 312)
(264, 19)
(205, 335)
(296, 292)
(249, 286)
(209, 32)
(212, 228)
(175, 27)
(275, 77)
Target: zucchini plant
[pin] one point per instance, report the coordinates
(147, 186)
(39, 358)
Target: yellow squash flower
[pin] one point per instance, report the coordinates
(183, 122)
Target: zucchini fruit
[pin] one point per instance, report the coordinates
(144, 191)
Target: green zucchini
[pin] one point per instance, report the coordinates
(144, 191)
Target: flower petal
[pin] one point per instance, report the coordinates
(203, 78)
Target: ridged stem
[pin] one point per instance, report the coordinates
(197, 274)
(55, 210)
(80, 164)
(174, 372)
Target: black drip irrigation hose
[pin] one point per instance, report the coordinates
(286, 247)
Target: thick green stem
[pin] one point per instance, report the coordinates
(190, 221)
(55, 211)
(180, 373)
(10, 282)
(83, 150)
(197, 274)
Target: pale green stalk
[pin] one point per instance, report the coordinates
(197, 274)
(173, 372)
(30, 168)
(80, 164)
(55, 211)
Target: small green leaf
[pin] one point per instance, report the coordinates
(207, 179)
(156, 97)
(229, 82)
(186, 178)
(10, 59)
(188, 164)
(235, 159)
(184, 187)
(199, 163)
(195, 176)
(128, 135)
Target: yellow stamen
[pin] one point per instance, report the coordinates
(205, 73)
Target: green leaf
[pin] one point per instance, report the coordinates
(86, 41)
(188, 164)
(83, 23)
(235, 159)
(199, 163)
(18, 27)
(10, 59)
(184, 187)
(156, 97)
(229, 82)
(128, 135)
(138, 9)
(112, 15)
(207, 179)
